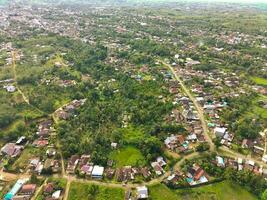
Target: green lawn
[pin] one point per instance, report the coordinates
(127, 156)
(260, 81)
(260, 111)
(85, 190)
(158, 192)
(218, 191)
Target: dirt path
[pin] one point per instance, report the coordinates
(15, 77)
(110, 184)
(39, 190)
(177, 166)
(228, 152)
(67, 190)
(196, 104)
(265, 137)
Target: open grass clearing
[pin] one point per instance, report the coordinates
(259, 80)
(132, 135)
(90, 191)
(128, 156)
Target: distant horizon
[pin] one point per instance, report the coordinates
(211, 1)
(257, 3)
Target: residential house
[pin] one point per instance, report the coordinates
(51, 152)
(10, 88)
(52, 164)
(86, 169)
(142, 192)
(220, 161)
(40, 142)
(125, 174)
(49, 188)
(28, 189)
(109, 172)
(56, 194)
(219, 131)
(145, 172)
(157, 168)
(97, 172)
(61, 114)
(72, 164)
(196, 175)
(21, 140)
(12, 150)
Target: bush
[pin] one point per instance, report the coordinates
(203, 147)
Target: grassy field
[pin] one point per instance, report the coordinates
(256, 109)
(260, 111)
(83, 191)
(158, 192)
(259, 80)
(132, 135)
(218, 191)
(127, 156)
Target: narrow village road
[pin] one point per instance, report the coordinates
(39, 190)
(224, 149)
(67, 190)
(177, 166)
(15, 77)
(228, 152)
(265, 137)
(196, 104)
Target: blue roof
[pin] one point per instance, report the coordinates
(203, 179)
(15, 189)
(220, 160)
(189, 180)
(8, 196)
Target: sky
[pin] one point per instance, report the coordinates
(231, 1)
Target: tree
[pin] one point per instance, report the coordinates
(93, 190)
(203, 147)
(34, 179)
(264, 195)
